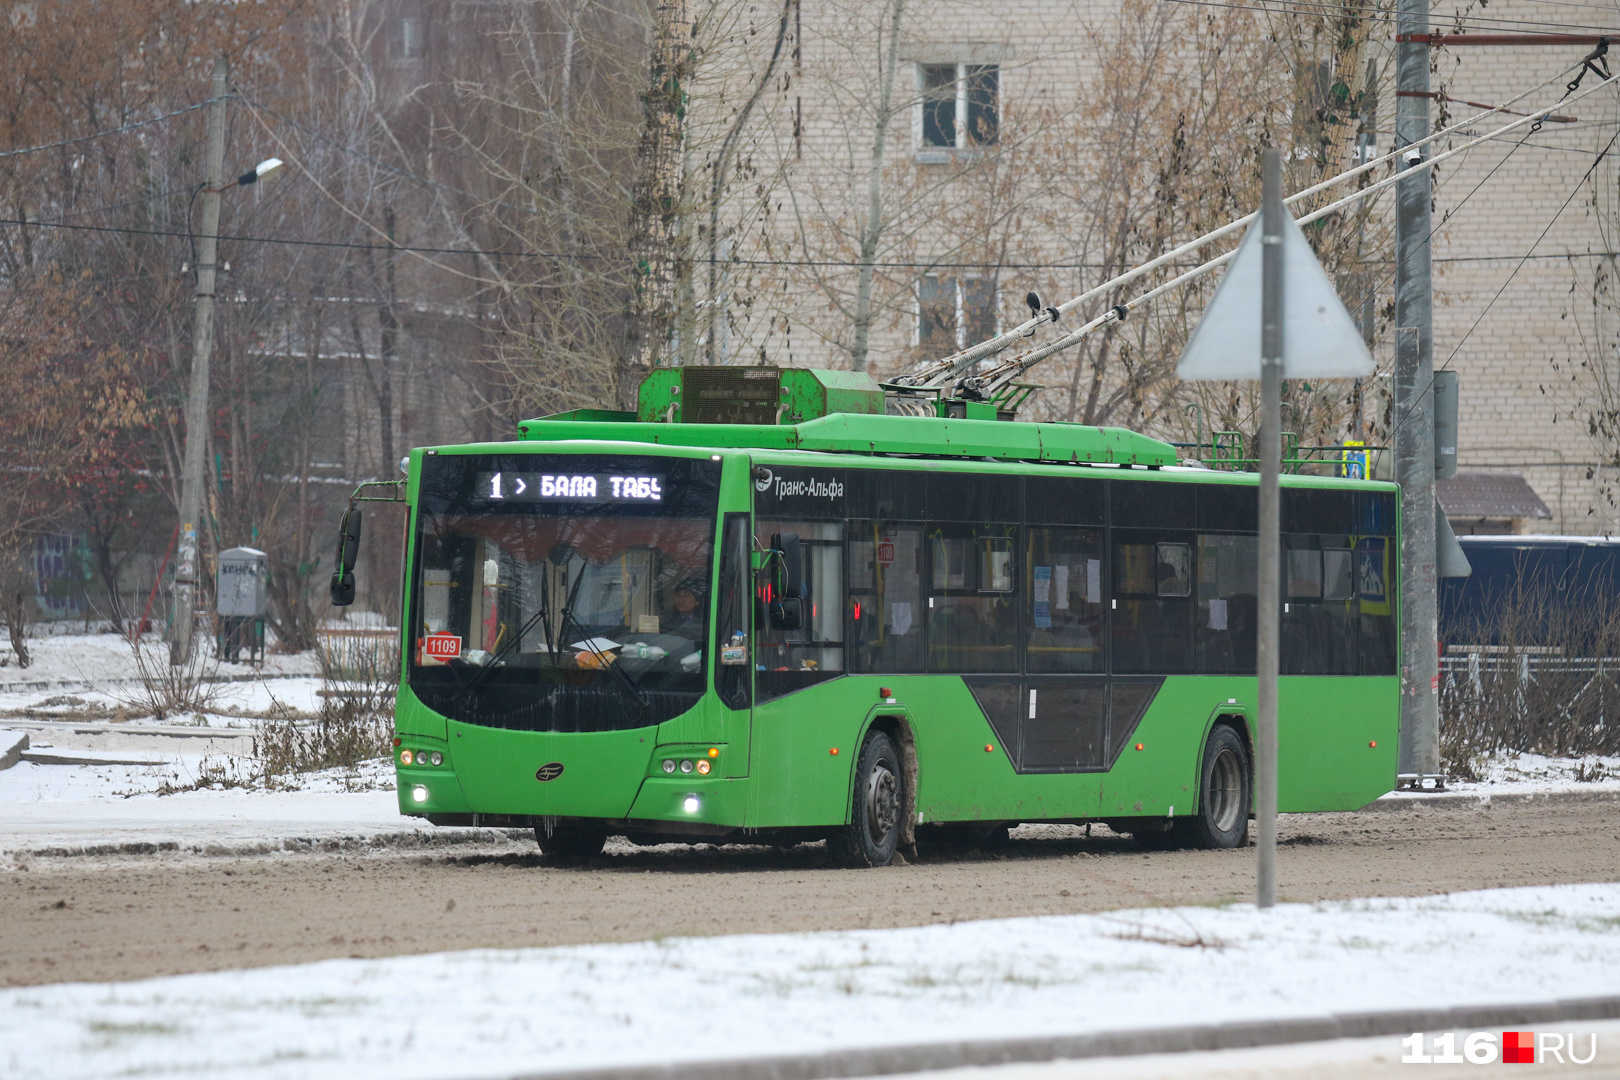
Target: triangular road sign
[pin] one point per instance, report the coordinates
(1320, 340)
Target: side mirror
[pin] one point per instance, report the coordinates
(786, 609)
(348, 553)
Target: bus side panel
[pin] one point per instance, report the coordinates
(1327, 725)
(963, 772)
(794, 776)
(1161, 778)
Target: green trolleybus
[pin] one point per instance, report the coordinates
(763, 609)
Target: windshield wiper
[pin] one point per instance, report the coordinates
(516, 641)
(590, 643)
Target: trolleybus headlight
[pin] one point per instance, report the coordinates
(438, 758)
(692, 804)
(703, 766)
(420, 793)
(686, 766)
(669, 765)
(405, 757)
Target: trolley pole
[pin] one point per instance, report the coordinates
(186, 567)
(1414, 407)
(1271, 360)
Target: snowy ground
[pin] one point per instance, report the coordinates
(95, 676)
(497, 1012)
(1533, 774)
(74, 806)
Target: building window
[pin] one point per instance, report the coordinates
(955, 310)
(405, 42)
(959, 105)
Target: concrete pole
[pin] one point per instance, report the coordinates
(187, 557)
(1414, 411)
(1271, 364)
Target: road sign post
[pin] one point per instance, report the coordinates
(1303, 331)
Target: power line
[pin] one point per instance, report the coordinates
(110, 131)
(1336, 11)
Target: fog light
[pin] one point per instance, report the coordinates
(419, 793)
(405, 757)
(686, 766)
(669, 766)
(703, 766)
(438, 758)
(691, 805)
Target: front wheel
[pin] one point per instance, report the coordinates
(873, 831)
(1225, 792)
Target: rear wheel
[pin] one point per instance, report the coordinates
(1225, 792)
(570, 841)
(873, 831)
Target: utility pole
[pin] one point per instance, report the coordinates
(1414, 406)
(655, 205)
(1269, 630)
(187, 555)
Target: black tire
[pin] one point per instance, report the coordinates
(570, 842)
(873, 831)
(1225, 793)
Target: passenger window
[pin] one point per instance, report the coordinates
(1174, 571)
(1153, 609)
(1064, 624)
(789, 660)
(973, 601)
(885, 597)
(1228, 601)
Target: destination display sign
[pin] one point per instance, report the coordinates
(571, 487)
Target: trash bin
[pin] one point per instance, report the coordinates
(240, 602)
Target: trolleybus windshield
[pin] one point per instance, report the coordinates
(558, 593)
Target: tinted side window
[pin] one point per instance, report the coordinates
(885, 596)
(1228, 603)
(972, 598)
(1376, 563)
(1148, 504)
(887, 494)
(789, 660)
(1319, 620)
(1317, 510)
(1064, 605)
(1154, 605)
(965, 497)
(1229, 508)
(1061, 500)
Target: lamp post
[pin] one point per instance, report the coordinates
(202, 346)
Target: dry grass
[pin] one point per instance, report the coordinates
(355, 723)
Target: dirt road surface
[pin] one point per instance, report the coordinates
(128, 917)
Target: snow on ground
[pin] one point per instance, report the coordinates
(494, 1012)
(74, 806)
(1513, 773)
(80, 675)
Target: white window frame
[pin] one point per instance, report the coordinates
(939, 155)
(961, 320)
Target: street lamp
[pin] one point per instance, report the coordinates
(202, 346)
